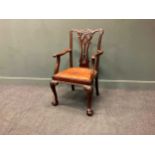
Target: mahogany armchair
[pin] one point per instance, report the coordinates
(83, 75)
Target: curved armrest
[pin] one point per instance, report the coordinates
(58, 55)
(61, 53)
(98, 53)
(95, 59)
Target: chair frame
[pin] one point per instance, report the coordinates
(85, 37)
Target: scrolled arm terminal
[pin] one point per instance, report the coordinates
(61, 53)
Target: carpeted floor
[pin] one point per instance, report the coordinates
(26, 109)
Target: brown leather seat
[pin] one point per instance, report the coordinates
(76, 75)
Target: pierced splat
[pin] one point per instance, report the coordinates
(84, 41)
(85, 37)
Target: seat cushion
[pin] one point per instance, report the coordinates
(76, 75)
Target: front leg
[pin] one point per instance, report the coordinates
(89, 91)
(52, 85)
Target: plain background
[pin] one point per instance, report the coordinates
(27, 47)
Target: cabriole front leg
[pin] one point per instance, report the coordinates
(89, 91)
(53, 85)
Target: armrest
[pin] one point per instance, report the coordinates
(98, 53)
(61, 53)
(95, 59)
(58, 56)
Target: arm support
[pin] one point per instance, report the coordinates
(58, 56)
(66, 50)
(95, 59)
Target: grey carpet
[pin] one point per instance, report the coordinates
(26, 109)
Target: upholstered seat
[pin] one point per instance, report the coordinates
(76, 75)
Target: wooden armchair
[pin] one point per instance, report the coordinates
(83, 75)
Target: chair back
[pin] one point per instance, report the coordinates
(85, 36)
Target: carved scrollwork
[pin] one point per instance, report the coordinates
(85, 36)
